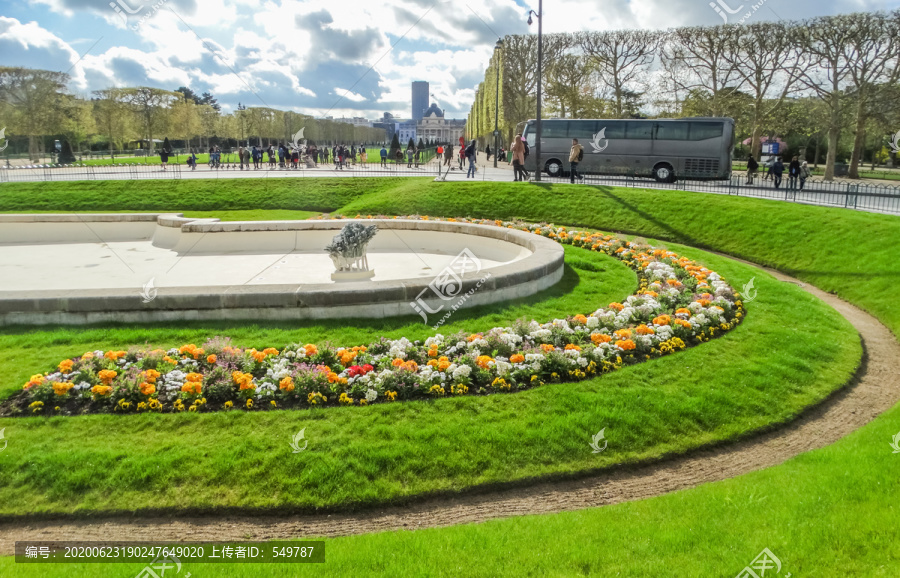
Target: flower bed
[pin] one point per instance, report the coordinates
(678, 304)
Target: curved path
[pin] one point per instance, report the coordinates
(876, 390)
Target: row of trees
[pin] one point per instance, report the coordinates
(37, 104)
(832, 81)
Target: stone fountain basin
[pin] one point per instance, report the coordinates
(96, 268)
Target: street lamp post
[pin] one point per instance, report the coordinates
(498, 46)
(537, 128)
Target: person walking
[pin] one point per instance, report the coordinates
(416, 157)
(752, 167)
(804, 173)
(471, 155)
(487, 153)
(575, 156)
(769, 164)
(518, 158)
(448, 154)
(462, 157)
(282, 152)
(793, 173)
(777, 171)
(192, 160)
(409, 157)
(363, 156)
(383, 156)
(164, 158)
(241, 157)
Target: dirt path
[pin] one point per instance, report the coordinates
(877, 390)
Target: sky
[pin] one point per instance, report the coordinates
(326, 57)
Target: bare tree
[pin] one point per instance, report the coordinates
(767, 57)
(622, 59)
(824, 39)
(702, 57)
(870, 52)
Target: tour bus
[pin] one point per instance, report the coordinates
(665, 149)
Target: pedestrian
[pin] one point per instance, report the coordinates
(471, 155)
(295, 157)
(164, 158)
(518, 158)
(416, 156)
(282, 152)
(363, 156)
(804, 173)
(257, 156)
(752, 167)
(487, 153)
(338, 159)
(192, 160)
(777, 171)
(575, 157)
(409, 157)
(793, 173)
(383, 156)
(448, 154)
(769, 164)
(462, 157)
(241, 157)
(398, 156)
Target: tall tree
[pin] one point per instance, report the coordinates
(187, 93)
(112, 116)
(871, 51)
(622, 59)
(824, 39)
(207, 98)
(35, 98)
(150, 105)
(768, 58)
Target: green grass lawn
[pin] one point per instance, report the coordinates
(830, 512)
(390, 452)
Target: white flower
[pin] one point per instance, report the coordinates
(462, 371)
(592, 322)
(371, 395)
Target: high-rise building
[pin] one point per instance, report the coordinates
(420, 98)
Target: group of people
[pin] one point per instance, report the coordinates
(798, 171)
(466, 153)
(286, 156)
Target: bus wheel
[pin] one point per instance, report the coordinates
(664, 173)
(554, 168)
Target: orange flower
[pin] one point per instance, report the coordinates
(150, 375)
(483, 361)
(662, 320)
(683, 310)
(674, 282)
(572, 347)
(547, 347)
(147, 388)
(517, 358)
(622, 333)
(65, 365)
(651, 293)
(168, 359)
(580, 318)
(270, 351)
(211, 358)
(704, 302)
(62, 388)
(644, 330)
(107, 375)
(682, 323)
(198, 377)
(311, 349)
(443, 364)
(397, 362)
(88, 355)
(259, 356)
(616, 306)
(194, 387)
(599, 338)
(101, 390)
(410, 366)
(286, 384)
(626, 344)
(432, 363)
(473, 337)
(244, 380)
(333, 377)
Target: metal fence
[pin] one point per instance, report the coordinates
(856, 195)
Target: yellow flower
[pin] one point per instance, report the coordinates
(249, 403)
(229, 404)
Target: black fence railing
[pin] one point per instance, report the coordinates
(857, 195)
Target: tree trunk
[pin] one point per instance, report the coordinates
(816, 158)
(858, 141)
(834, 129)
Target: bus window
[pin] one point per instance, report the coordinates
(671, 131)
(705, 130)
(583, 130)
(638, 130)
(614, 129)
(555, 129)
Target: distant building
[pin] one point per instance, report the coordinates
(420, 98)
(355, 121)
(406, 130)
(435, 127)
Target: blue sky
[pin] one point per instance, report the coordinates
(321, 57)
